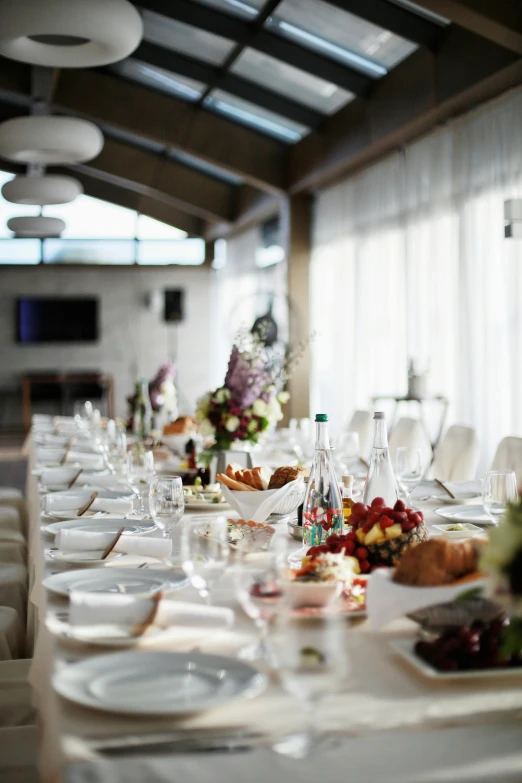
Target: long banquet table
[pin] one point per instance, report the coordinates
(382, 695)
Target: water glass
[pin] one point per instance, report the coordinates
(83, 414)
(257, 581)
(498, 489)
(166, 502)
(312, 661)
(140, 471)
(204, 551)
(409, 470)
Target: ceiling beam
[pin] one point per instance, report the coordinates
(477, 22)
(394, 18)
(413, 98)
(259, 160)
(174, 62)
(167, 180)
(246, 33)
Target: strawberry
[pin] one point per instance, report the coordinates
(366, 526)
(416, 519)
(387, 510)
(399, 516)
(407, 526)
(377, 502)
(385, 522)
(349, 547)
(312, 551)
(350, 537)
(359, 510)
(361, 553)
(365, 566)
(374, 516)
(334, 539)
(400, 506)
(324, 548)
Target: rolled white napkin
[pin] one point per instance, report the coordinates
(113, 505)
(260, 504)
(105, 482)
(60, 476)
(49, 456)
(64, 501)
(108, 609)
(386, 600)
(89, 461)
(79, 541)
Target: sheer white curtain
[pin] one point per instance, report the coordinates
(410, 257)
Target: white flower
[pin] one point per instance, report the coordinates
(274, 410)
(202, 406)
(206, 429)
(252, 426)
(221, 395)
(260, 408)
(283, 397)
(232, 424)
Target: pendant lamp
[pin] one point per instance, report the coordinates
(36, 226)
(50, 189)
(49, 140)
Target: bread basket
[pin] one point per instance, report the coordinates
(262, 504)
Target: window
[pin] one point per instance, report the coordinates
(185, 39)
(255, 117)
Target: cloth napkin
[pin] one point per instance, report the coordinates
(108, 609)
(57, 477)
(105, 482)
(260, 504)
(386, 600)
(78, 540)
(85, 460)
(64, 502)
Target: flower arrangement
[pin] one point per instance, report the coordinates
(249, 402)
(162, 391)
(502, 561)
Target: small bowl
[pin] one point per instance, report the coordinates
(468, 532)
(311, 593)
(295, 530)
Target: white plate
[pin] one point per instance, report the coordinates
(131, 581)
(89, 557)
(474, 514)
(103, 635)
(458, 535)
(202, 505)
(112, 525)
(157, 683)
(405, 648)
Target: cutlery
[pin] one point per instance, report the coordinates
(84, 508)
(111, 546)
(445, 488)
(74, 479)
(176, 742)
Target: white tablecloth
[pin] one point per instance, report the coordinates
(383, 692)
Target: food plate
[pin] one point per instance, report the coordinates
(111, 525)
(133, 581)
(87, 557)
(468, 531)
(405, 649)
(474, 514)
(157, 683)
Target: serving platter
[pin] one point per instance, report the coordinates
(405, 648)
(128, 581)
(474, 514)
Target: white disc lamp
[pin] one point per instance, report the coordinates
(36, 226)
(49, 140)
(50, 189)
(69, 33)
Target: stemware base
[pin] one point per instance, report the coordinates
(300, 746)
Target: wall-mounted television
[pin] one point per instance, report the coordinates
(56, 319)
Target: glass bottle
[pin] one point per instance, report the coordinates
(142, 410)
(380, 481)
(323, 507)
(348, 500)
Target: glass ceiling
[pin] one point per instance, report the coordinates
(246, 9)
(291, 82)
(159, 79)
(97, 232)
(340, 35)
(186, 39)
(255, 116)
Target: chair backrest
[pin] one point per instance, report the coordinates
(508, 456)
(410, 433)
(457, 455)
(361, 423)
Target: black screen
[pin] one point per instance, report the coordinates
(57, 320)
(173, 310)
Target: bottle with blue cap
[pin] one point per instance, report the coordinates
(323, 506)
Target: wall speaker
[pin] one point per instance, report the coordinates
(173, 310)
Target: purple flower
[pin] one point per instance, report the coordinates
(167, 372)
(246, 377)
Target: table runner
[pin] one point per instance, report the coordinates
(382, 693)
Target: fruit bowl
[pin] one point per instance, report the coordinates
(389, 552)
(387, 532)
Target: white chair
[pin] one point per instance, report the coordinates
(10, 519)
(361, 423)
(16, 704)
(410, 433)
(508, 456)
(13, 498)
(19, 754)
(14, 588)
(12, 635)
(457, 455)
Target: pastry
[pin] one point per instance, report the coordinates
(437, 562)
(284, 475)
(231, 483)
(181, 426)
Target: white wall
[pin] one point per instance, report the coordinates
(133, 340)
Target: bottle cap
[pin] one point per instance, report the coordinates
(321, 417)
(347, 481)
(379, 415)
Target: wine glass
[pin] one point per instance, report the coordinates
(166, 502)
(204, 551)
(140, 471)
(83, 414)
(498, 489)
(116, 455)
(312, 661)
(409, 469)
(257, 581)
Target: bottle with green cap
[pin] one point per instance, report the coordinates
(323, 506)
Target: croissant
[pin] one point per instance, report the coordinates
(437, 562)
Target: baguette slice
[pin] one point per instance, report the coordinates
(264, 475)
(232, 483)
